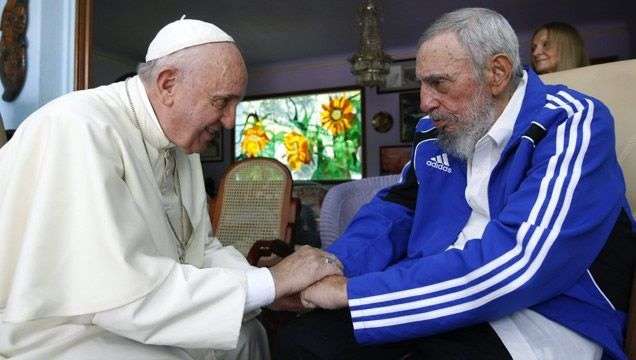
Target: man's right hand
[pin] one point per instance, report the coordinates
(303, 268)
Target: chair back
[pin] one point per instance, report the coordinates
(343, 201)
(254, 202)
(615, 85)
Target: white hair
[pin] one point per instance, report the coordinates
(483, 33)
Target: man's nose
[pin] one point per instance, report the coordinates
(428, 101)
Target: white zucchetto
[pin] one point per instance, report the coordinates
(182, 34)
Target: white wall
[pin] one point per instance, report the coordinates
(50, 58)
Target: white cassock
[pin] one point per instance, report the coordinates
(89, 259)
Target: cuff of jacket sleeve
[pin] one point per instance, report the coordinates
(260, 288)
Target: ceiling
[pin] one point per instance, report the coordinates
(284, 30)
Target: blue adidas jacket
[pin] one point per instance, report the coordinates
(555, 197)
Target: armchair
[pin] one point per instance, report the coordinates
(615, 85)
(343, 201)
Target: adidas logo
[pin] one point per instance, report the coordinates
(440, 162)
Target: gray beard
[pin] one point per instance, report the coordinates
(469, 129)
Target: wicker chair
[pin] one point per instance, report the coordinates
(254, 203)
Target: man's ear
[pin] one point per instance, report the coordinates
(499, 74)
(166, 81)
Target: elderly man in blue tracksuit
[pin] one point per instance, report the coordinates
(508, 236)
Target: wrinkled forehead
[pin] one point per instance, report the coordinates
(225, 73)
(221, 60)
(442, 53)
(225, 55)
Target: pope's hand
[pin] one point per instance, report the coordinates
(303, 268)
(328, 293)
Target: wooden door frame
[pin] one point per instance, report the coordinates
(83, 43)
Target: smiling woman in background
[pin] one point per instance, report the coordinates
(557, 46)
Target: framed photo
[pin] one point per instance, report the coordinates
(393, 158)
(410, 114)
(401, 77)
(214, 152)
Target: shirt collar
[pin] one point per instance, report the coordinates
(501, 130)
(149, 124)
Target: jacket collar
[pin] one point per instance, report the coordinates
(533, 102)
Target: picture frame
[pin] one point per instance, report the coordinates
(401, 77)
(393, 158)
(214, 152)
(410, 114)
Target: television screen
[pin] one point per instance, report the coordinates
(318, 135)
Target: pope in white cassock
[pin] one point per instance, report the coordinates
(105, 240)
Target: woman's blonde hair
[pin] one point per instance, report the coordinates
(568, 42)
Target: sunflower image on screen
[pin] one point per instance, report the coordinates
(318, 136)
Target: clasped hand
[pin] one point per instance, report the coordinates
(309, 278)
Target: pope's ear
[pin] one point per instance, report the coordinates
(499, 74)
(166, 81)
